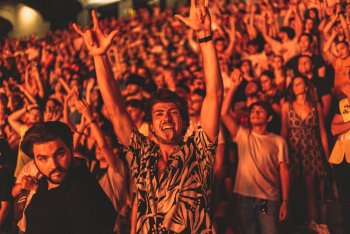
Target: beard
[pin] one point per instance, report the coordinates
(57, 179)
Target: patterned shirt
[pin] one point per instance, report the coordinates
(179, 200)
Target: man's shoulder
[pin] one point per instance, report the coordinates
(276, 138)
(79, 173)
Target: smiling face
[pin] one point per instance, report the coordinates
(53, 159)
(166, 123)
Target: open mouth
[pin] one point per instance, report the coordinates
(168, 126)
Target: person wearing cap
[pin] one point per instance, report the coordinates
(173, 177)
(68, 198)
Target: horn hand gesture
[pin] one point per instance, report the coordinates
(96, 42)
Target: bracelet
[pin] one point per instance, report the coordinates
(205, 39)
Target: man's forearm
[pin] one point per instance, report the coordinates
(211, 107)
(285, 181)
(113, 99)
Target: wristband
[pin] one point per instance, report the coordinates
(205, 39)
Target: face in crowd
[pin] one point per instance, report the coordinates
(166, 123)
(299, 86)
(305, 65)
(53, 159)
(258, 116)
(195, 104)
(342, 50)
(34, 116)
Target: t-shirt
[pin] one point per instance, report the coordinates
(287, 49)
(259, 157)
(78, 205)
(114, 185)
(22, 158)
(179, 200)
(341, 148)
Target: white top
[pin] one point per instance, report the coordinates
(31, 170)
(114, 185)
(259, 157)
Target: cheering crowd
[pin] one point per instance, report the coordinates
(217, 117)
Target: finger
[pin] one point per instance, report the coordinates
(203, 11)
(199, 15)
(183, 20)
(111, 36)
(95, 20)
(84, 102)
(89, 39)
(206, 3)
(77, 29)
(193, 3)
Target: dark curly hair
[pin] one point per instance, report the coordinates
(165, 95)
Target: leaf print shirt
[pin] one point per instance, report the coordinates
(179, 200)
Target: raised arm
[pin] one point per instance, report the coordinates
(232, 36)
(27, 94)
(97, 45)
(327, 48)
(36, 75)
(15, 119)
(199, 20)
(97, 133)
(226, 117)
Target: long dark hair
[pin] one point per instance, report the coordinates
(311, 96)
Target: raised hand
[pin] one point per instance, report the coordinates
(90, 84)
(96, 42)
(73, 94)
(199, 18)
(28, 183)
(84, 109)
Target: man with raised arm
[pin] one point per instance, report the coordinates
(262, 179)
(173, 177)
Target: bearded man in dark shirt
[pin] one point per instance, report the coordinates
(68, 198)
